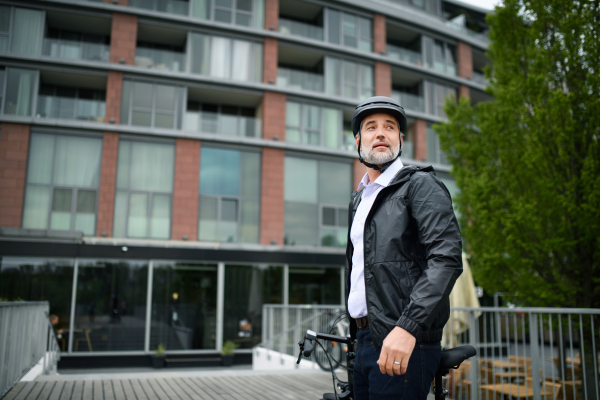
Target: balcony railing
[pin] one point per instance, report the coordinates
(232, 125)
(76, 50)
(479, 77)
(300, 80)
(169, 6)
(296, 28)
(409, 101)
(400, 53)
(159, 59)
(70, 108)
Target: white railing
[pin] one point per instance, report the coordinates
(535, 353)
(231, 125)
(26, 339)
(296, 28)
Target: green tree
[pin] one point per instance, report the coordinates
(528, 162)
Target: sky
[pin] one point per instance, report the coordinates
(487, 4)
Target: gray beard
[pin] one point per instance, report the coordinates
(380, 158)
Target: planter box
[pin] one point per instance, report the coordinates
(227, 360)
(158, 361)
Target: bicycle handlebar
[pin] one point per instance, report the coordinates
(306, 343)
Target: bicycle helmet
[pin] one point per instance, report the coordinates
(373, 105)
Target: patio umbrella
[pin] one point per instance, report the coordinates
(463, 294)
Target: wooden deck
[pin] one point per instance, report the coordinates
(252, 387)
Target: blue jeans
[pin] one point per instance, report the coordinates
(371, 384)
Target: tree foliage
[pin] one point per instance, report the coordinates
(528, 162)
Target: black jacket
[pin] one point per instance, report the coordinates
(413, 256)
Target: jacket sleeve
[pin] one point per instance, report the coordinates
(430, 205)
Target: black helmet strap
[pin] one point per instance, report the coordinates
(375, 166)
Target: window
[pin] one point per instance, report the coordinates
(226, 58)
(247, 288)
(144, 190)
(110, 305)
(222, 119)
(151, 104)
(71, 103)
(440, 56)
(20, 84)
(184, 306)
(315, 285)
(434, 152)
(349, 30)
(312, 124)
(316, 196)
(21, 30)
(63, 176)
(160, 56)
(179, 7)
(238, 12)
(76, 45)
(348, 79)
(437, 97)
(4, 27)
(229, 195)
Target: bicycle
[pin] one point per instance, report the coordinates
(330, 356)
(451, 359)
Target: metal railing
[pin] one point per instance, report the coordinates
(26, 339)
(70, 108)
(296, 28)
(400, 53)
(479, 77)
(301, 80)
(534, 353)
(75, 50)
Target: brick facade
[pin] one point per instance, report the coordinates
(383, 79)
(185, 189)
(114, 87)
(464, 91)
(273, 116)
(272, 14)
(123, 37)
(464, 55)
(379, 36)
(272, 200)
(359, 170)
(108, 177)
(420, 139)
(14, 146)
(270, 61)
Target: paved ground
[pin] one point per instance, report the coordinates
(175, 385)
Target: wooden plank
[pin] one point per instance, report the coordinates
(67, 392)
(45, 393)
(315, 384)
(118, 392)
(137, 389)
(176, 389)
(24, 394)
(37, 390)
(150, 393)
(215, 391)
(252, 384)
(107, 388)
(77, 391)
(56, 390)
(236, 388)
(128, 390)
(192, 389)
(201, 387)
(88, 390)
(160, 393)
(14, 392)
(97, 390)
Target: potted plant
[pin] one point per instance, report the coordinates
(158, 359)
(227, 353)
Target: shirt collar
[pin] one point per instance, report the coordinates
(385, 178)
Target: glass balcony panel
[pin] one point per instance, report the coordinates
(70, 108)
(159, 59)
(409, 101)
(479, 77)
(75, 50)
(296, 28)
(170, 6)
(232, 125)
(299, 80)
(91, 110)
(400, 53)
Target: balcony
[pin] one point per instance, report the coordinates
(409, 101)
(70, 106)
(300, 80)
(479, 77)
(400, 53)
(295, 28)
(159, 59)
(169, 6)
(221, 123)
(75, 50)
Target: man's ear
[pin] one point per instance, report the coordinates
(357, 139)
(401, 141)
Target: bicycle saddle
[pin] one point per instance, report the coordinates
(454, 357)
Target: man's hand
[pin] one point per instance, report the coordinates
(397, 346)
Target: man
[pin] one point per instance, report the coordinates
(404, 255)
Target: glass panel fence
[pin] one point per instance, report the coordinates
(234, 125)
(296, 28)
(159, 59)
(170, 6)
(299, 80)
(70, 108)
(400, 53)
(76, 50)
(409, 101)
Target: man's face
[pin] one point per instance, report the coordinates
(381, 139)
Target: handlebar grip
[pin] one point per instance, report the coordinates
(308, 348)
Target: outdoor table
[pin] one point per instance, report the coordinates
(517, 391)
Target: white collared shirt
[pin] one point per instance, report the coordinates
(357, 301)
